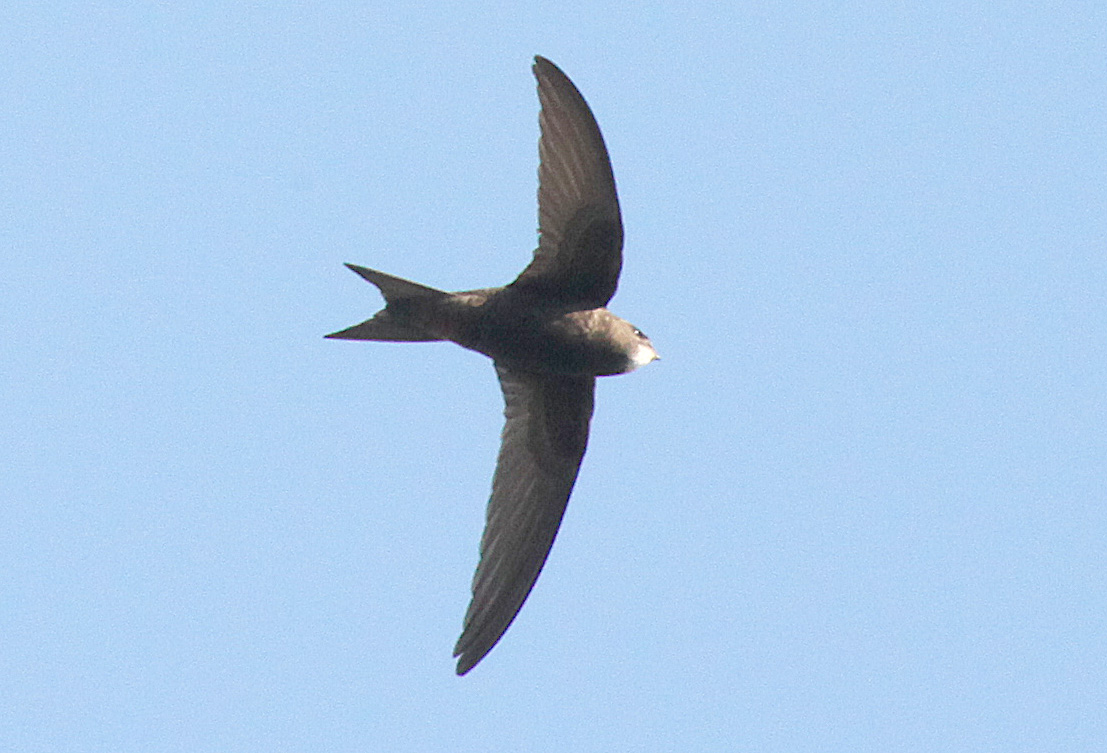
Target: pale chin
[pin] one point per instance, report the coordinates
(642, 355)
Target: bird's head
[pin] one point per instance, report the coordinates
(641, 350)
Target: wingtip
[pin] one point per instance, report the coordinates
(464, 660)
(468, 654)
(544, 67)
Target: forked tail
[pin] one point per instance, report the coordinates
(387, 323)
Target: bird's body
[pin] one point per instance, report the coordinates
(549, 334)
(517, 329)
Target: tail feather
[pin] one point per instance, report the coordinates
(395, 288)
(385, 325)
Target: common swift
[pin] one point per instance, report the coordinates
(549, 336)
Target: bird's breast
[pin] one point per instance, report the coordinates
(582, 343)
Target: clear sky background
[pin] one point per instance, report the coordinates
(858, 506)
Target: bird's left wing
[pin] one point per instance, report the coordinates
(543, 443)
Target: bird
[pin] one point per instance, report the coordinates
(549, 335)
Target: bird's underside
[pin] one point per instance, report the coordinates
(549, 335)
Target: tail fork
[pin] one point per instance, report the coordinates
(384, 325)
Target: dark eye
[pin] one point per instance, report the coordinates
(640, 333)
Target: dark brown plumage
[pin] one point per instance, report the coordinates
(549, 336)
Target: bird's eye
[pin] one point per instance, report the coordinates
(640, 333)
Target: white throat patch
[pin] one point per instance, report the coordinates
(642, 355)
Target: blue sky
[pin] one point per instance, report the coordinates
(859, 504)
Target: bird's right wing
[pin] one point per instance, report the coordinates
(580, 246)
(543, 443)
